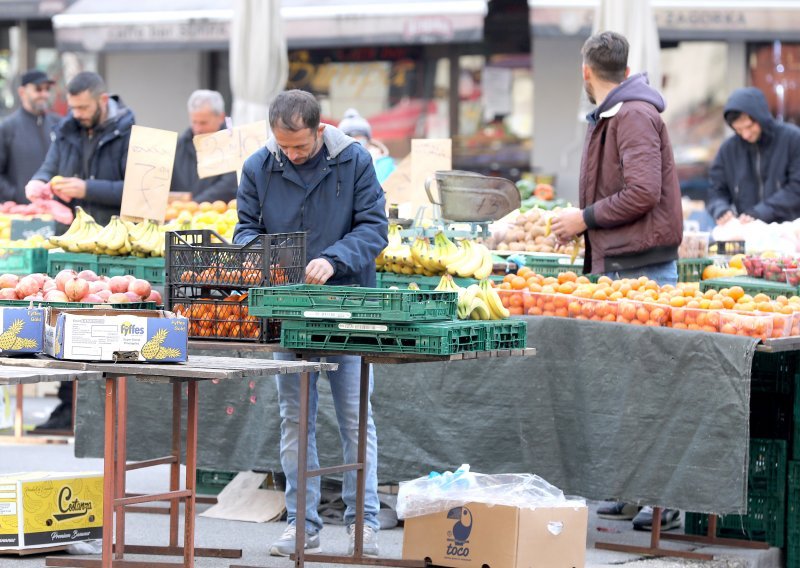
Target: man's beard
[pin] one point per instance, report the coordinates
(589, 92)
(95, 120)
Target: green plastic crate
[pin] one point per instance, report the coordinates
(77, 261)
(750, 285)
(302, 301)
(441, 338)
(552, 265)
(23, 261)
(506, 334)
(691, 269)
(149, 268)
(211, 482)
(401, 281)
(793, 516)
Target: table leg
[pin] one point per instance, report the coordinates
(109, 472)
(175, 467)
(191, 472)
(18, 415)
(302, 470)
(361, 473)
(121, 460)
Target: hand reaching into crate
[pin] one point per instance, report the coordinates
(318, 271)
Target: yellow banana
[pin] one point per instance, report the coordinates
(547, 228)
(478, 310)
(487, 263)
(493, 301)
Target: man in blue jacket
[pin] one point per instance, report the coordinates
(756, 174)
(311, 177)
(89, 151)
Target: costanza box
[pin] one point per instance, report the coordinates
(499, 536)
(94, 334)
(43, 509)
(21, 330)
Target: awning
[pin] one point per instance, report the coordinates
(127, 25)
(14, 10)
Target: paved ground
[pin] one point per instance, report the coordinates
(253, 538)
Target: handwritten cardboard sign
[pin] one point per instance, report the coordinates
(226, 150)
(148, 173)
(427, 157)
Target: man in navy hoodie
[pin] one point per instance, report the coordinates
(311, 177)
(756, 174)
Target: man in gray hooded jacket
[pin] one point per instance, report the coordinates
(756, 174)
(311, 177)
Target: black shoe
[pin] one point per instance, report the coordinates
(60, 419)
(670, 519)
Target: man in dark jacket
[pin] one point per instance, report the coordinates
(89, 151)
(311, 177)
(629, 194)
(25, 136)
(756, 174)
(207, 115)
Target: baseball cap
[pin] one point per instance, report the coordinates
(36, 77)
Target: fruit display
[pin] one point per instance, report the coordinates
(217, 216)
(772, 267)
(643, 302)
(466, 259)
(477, 301)
(211, 318)
(530, 232)
(83, 287)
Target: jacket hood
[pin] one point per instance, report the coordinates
(753, 103)
(634, 88)
(335, 142)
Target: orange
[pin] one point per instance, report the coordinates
(606, 280)
(518, 283)
(524, 271)
(566, 287)
(568, 276)
(205, 206)
(219, 206)
(677, 301)
(761, 298)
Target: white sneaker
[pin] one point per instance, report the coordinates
(284, 546)
(369, 545)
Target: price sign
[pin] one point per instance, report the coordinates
(226, 150)
(148, 173)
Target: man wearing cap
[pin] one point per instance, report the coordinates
(25, 136)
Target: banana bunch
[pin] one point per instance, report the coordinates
(477, 301)
(147, 239)
(81, 233)
(475, 261)
(114, 239)
(396, 257)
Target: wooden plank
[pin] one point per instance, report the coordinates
(22, 375)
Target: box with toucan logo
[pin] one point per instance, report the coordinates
(99, 334)
(499, 536)
(45, 509)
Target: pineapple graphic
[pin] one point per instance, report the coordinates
(10, 341)
(153, 350)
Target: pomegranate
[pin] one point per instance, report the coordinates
(49, 284)
(63, 276)
(97, 285)
(76, 289)
(118, 284)
(155, 296)
(104, 294)
(8, 294)
(140, 287)
(118, 298)
(27, 286)
(88, 275)
(133, 297)
(56, 296)
(40, 278)
(92, 299)
(8, 280)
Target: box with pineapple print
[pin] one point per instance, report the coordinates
(21, 330)
(154, 336)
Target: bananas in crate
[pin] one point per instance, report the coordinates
(118, 238)
(468, 259)
(81, 235)
(477, 301)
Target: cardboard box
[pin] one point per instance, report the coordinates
(499, 536)
(39, 510)
(21, 330)
(96, 334)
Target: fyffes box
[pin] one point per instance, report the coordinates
(21, 330)
(97, 334)
(46, 509)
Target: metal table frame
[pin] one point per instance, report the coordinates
(367, 359)
(115, 466)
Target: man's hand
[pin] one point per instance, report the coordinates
(725, 217)
(318, 271)
(745, 218)
(36, 189)
(69, 188)
(567, 224)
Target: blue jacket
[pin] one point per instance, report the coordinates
(106, 167)
(761, 179)
(343, 212)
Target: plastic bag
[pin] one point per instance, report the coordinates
(441, 492)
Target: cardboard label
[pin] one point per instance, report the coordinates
(363, 327)
(427, 157)
(226, 150)
(326, 315)
(148, 173)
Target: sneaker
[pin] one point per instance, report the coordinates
(284, 546)
(670, 519)
(369, 545)
(619, 511)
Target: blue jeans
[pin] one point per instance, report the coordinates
(344, 384)
(664, 273)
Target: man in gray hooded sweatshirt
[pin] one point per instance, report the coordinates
(756, 174)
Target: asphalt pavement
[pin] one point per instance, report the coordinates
(254, 538)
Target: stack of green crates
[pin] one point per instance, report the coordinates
(345, 318)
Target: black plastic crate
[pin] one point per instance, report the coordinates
(793, 516)
(773, 372)
(221, 315)
(203, 258)
(770, 415)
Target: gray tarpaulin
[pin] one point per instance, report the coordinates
(650, 415)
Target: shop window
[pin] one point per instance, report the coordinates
(775, 69)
